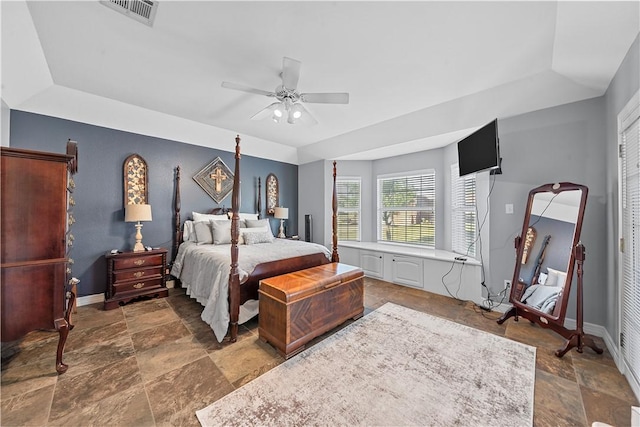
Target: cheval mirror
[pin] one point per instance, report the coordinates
(547, 250)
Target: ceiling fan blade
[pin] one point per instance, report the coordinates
(306, 117)
(236, 86)
(265, 112)
(325, 98)
(290, 73)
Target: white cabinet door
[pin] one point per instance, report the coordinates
(407, 271)
(372, 264)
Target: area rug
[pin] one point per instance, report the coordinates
(394, 366)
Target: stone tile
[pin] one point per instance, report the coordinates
(605, 408)
(95, 335)
(17, 380)
(168, 356)
(532, 334)
(91, 316)
(482, 320)
(184, 306)
(257, 372)
(73, 393)
(547, 361)
(35, 346)
(176, 395)
(557, 402)
(204, 334)
(605, 379)
(159, 335)
(588, 353)
(243, 358)
(128, 407)
(28, 409)
(147, 320)
(105, 353)
(138, 308)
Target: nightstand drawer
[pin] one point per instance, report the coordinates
(136, 274)
(137, 262)
(136, 285)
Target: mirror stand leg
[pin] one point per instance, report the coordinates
(578, 340)
(512, 312)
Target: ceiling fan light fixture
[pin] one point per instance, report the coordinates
(296, 111)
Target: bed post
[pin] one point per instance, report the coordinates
(234, 275)
(334, 205)
(259, 198)
(176, 209)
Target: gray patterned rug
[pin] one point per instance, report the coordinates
(394, 366)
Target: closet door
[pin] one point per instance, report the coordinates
(629, 128)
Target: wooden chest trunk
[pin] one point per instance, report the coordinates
(299, 306)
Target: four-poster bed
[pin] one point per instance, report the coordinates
(202, 268)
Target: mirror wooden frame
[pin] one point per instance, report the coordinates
(555, 319)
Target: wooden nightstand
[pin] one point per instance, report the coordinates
(133, 275)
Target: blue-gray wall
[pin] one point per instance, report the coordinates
(99, 211)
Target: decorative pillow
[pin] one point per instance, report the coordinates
(542, 278)
(188, 232)
(207, 217)
(260, 237)
(221, 232)
(255, 223)
(243, 231)
(203, 232)
(556, 278)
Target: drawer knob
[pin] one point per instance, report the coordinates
(138, 285)
(139, 261)
(71, 201)
(72, 184)
(138, 274)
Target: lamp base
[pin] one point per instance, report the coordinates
(138, 247)
(281, 234)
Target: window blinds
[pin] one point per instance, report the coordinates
(348, 193)
(463, 212)
(630, 337)
(406, 209)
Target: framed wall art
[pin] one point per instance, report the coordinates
(136, 180)
(271, 186)
(216, 179)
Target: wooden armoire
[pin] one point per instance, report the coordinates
(36, 203)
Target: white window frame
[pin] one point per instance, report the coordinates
(461, 243)
(631, 368)
(358, 210)
(432, 210)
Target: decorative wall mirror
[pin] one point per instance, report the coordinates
(542, 278)
(271, 186)
(136, 181)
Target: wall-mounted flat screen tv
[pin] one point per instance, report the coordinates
(480, 151)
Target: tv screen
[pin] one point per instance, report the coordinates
(480, 151)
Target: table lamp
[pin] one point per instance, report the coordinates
(281, 214)
(137, 213)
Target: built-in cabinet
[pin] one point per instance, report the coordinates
(431, 270)
(372, 263)
(406, 270)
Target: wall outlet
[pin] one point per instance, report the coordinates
(507, 284)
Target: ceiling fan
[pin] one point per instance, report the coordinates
(289, 99)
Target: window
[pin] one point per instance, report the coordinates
(629, 137)
(348, 192)
(463, 212)
(406, 209)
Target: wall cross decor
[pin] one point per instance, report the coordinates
(216, 179)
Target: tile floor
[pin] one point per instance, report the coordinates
(154, 363)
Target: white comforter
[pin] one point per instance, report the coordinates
(204, 272)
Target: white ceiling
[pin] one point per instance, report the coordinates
(420, 74)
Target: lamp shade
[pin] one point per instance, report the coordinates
(135, 213)
(281, 213)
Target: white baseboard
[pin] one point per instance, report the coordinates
(89, 299)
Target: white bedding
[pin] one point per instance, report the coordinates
(204, 272)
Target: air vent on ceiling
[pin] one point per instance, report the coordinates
(141, 10)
